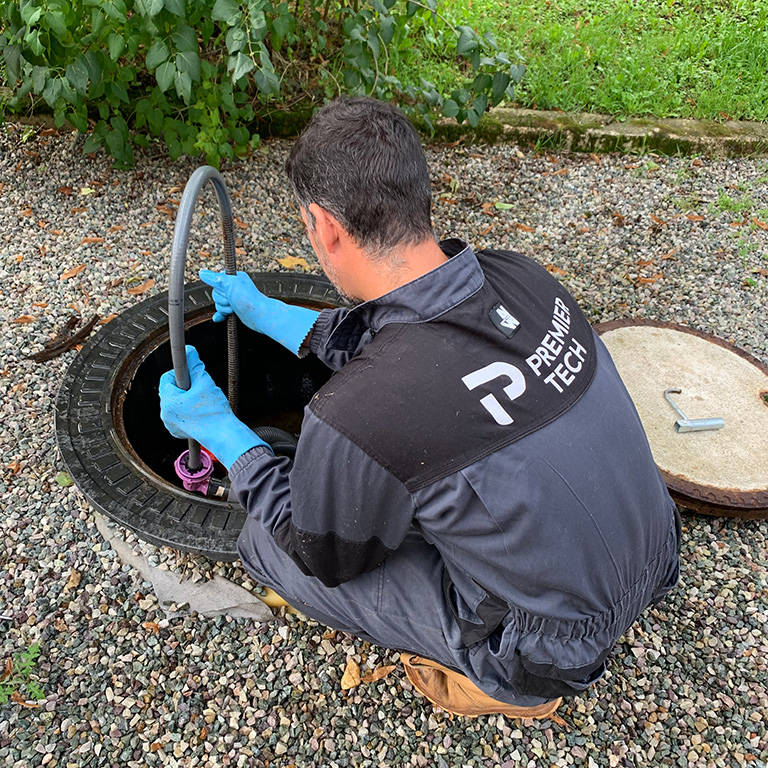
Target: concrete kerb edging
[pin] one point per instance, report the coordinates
(586, 132)
(562, 131)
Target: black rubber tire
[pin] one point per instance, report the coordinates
(105, 470)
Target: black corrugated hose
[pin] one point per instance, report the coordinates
(176, 288)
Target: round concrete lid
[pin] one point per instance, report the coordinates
(719, 472)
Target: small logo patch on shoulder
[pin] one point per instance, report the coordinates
(504, 320)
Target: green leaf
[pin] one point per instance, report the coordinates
(77, 74)
(30, 14)
(157, 54)
(39, 76)
(503, 206)
(63, 479)
(116, 10)
(480, 103)
(236, 39)
(153, 7)
(184, 38)
(373, 43)
(243, 65)
(92, 144)
(188, 61)
(183, 83)
(473, 118)
(500, 83)
(467, 41)
(226, 10)
(450, 108)
(176, 7)
(56, 23)
(165, 74)
(12, 56)
(481, 83)
(79, 120)
(116, 44)
(387, 29)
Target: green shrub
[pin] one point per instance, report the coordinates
(200, 74)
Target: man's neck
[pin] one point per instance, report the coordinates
(403, 266)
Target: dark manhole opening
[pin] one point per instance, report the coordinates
(275, 386)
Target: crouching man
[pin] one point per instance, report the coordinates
(473, 485)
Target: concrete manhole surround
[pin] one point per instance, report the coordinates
(722, 472)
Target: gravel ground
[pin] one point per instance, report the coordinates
(126, 686)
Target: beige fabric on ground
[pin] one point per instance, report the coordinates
(714, 382)
(457, 694)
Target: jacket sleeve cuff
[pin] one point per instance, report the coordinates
(256, 454)
(321, 330)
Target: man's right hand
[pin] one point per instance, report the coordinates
(285, 323)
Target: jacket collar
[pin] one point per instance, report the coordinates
(419, 301)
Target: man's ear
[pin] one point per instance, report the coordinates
(325, 227)
(328, 230)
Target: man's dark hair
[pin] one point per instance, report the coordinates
(361, 160)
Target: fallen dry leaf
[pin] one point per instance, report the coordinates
(486, 230)
(66, 190)
(240, 251)
(203, 733)
(738, 223)
(107, 319)
(21, 319)
(87, 240)
(644, 262)
(524, 227)
(73, 580)
(78, 210)
(760, 224)
(155, 746)
(26, 212)
(292, 262)
(145, 286)
(166, 210)
(377, 674)
(596, 158)
(351, 676)
(72, 272)
(552, 269)
(694, 217)
(561, 172)
(240, 223)
(7, 669)
(15, 466)
(657, 220)
(116, 228)
(19, 699)
(651, 279)
(670, 254)
(618, 219)
(762, 271)
(696, 162)
(151, 626)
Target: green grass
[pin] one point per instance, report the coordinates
(663, 58)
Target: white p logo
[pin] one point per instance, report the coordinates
(513, 390)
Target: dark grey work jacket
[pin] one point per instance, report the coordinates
(476, 405)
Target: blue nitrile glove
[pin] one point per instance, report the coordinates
(287, 324)
(202, 412)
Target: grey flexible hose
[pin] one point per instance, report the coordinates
(176, 287)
